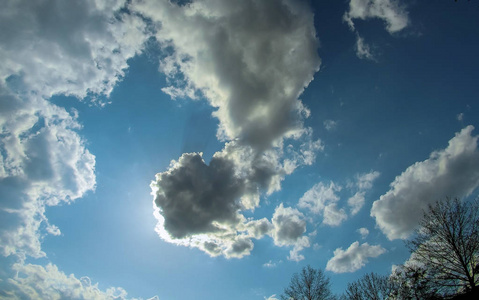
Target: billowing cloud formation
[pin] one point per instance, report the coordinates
(43, 162)
(52, 47)
(453, 171)
(353, 258)
(250, 60)
(37, 282)
(67, 47)
(391, 12)
(289, 227)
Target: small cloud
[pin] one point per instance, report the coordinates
(363, 50)
(269, 264)
(353, 258)
(330, 125)
(364, 232)
(460, 117)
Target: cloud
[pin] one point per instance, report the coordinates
(288, 229)
(38, 282)
(330, 124)
(319, 196)
(74, 48)
(43, 162)
(334, 216)
(353, 258)
(453, 171)
(243, 57)
(80, 47)
(363, 51)
(356, 202)
(365, 181)
(364, 232)
(323, 199)
(391, 12)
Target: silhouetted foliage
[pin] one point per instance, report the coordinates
(413, 282)
(369, 287)
(447, 244)
(310, 284)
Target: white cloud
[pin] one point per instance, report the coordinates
(269, 264)
(288, 229)
(323, 199)
(80, 47)
(319, 196)
(364, 232)
(453, 171)
(43, 162)
(52, 47)
(330, 124)
(363, 50)
(365, 181)
(391, 12)
(353, 258)
(356, 202)
(334, 216)
(243, 57)
(37, 282)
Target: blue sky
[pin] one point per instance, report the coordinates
(210, 150)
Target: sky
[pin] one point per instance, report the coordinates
(210, 149)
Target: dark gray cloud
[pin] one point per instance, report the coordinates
(453, 171)
(197, 198)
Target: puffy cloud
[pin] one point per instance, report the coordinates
(453, 171)
(52, 47)
(353, 258)
(391, 12)
(319, 196)
(365, 181)
(334, 216)
(242, 56)
(67, 47)
(289, 225)
(43, 162)
(356, 202)
(323, 199)
(364, 232)
(250, 59)
(37, 282)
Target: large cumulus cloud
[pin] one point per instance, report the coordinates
(68, 47)
(453, 171)
(251, 61)
(51, 47)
